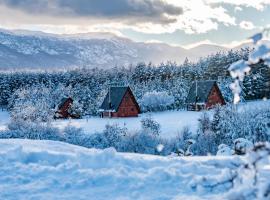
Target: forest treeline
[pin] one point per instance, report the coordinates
(88, 86)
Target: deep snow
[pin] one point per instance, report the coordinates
(55, 170)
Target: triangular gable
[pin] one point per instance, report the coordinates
(63, 101)
(114, 98)
(203, 90)
(133, 98)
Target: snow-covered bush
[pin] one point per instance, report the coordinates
(224, 150)
(32, 130)
(242, 146)
(142, 142)
(205, 144)
(74, 135)
(206, 138)
(250, 181)
(97, 140)
(156, 101)
(150, 126)
(181, 144)
(204, 123)
(228, 124)
(114, 136)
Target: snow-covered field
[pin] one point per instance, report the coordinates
(172, 122)
(55, 170)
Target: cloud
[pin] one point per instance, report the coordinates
(238, 8)
(144, 16)
(199, 17)
(247, 25)
(155, 11)
(257, 4)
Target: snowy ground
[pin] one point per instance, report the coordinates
(172, 122)
(55, 170)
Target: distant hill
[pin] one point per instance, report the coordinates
(27, 49)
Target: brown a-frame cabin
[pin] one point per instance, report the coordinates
(204, 95)
(119, 102)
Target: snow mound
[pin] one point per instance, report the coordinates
(55, 170)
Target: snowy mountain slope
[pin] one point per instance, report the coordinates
(55, 170)
(209, 48)
(22, 49)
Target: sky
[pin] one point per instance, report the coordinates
(184, 23)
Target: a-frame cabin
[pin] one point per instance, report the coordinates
(119, 102)
(204, 95)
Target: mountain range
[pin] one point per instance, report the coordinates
(29, 49)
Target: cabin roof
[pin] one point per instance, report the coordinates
(203, 90)
(63, 101)
(116, 95)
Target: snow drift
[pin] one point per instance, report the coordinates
(55, 170)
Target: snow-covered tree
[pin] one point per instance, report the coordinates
(241, 68)
(32, 104)
(156, 101)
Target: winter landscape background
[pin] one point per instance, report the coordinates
(39, 50)
(30, 97)
(51, 51)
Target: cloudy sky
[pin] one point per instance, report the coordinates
(176, 22)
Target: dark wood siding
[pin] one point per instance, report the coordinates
(215, 97)
(63, 111)
(128, 107)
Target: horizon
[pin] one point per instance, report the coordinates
(100, 34)
(185, 24)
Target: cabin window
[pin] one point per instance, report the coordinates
(132, 109)
(126, 98)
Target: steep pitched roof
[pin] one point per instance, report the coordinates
(63, 101)
(116, 95)
(203, 91)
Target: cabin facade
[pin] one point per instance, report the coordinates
(119, 102)
(204, 95)
(63, 109)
